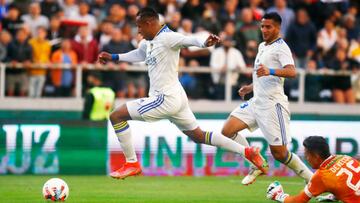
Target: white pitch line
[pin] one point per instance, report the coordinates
(268, 182)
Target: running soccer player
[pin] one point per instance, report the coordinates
(338, 174)
(167, 99)
(268, 109)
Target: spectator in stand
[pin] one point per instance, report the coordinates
(34, 19)
(106, 30)
(41, 56)
(62, 78)
(115, 79)
(327, 36)
(354, 50)
(341, 85)
(256, 10)
(49, 8)
(248, 29)
(223, 59)
(132, 10)
(209, 20)
(85, 46)
(54, 33)
(136, 84)
(249, 59)
(99, 9)
(70, 8)
(186, 27)
(117, 15)
(250, 53)
(5, 39)
(175, 21)
(228, 30)
(287, 15)
(313, 83)
(4, 5)
(229, 11)
(301, 38)
(188, 80)
(12, 22)
(85, 16)
(168, 8)
(353, 30)
(193, 10)
(19, 51)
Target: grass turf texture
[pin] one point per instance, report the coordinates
(145, 189)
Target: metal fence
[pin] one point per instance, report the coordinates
(141, 68)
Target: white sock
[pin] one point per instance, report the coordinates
(240, 139)
(123, 134)
(243, 141)
(295, 164)
(219, 140)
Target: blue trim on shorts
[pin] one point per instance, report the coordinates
(152, 105)
(282, 123)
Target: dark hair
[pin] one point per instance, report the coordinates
(147, 13)
(317, 145)
(273, 16)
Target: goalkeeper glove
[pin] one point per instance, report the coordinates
(276, 192)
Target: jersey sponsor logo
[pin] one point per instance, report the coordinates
(150, 61)
(243, 105)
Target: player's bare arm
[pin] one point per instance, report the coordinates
(287, 71)
(244, 90)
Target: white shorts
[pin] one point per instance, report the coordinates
(273, 122)
(174, 107)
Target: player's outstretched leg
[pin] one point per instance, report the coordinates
(254, 172)
(217, 139)
(231, 129)
(132, 167)
(292, 161)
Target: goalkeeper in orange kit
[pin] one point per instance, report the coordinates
(337, 174)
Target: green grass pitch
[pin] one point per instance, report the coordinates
(145, 189)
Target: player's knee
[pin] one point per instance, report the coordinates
(116, 117)
(279, 155)
(227, 132)
(113, 117)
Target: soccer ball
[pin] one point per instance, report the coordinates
(55, 189)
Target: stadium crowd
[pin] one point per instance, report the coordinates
(324, 37)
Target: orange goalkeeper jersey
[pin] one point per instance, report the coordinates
(339, 175)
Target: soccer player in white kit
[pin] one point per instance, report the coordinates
(268, 109)
(160, 50)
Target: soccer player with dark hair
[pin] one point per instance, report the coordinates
(268, 109)
(338, 174)
(160, 49)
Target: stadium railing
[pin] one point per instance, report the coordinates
(141, 68)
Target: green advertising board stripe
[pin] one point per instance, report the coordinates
(9, 115)
(65, 148)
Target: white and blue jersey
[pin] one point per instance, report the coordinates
(167, 98)
(161, 55)
(270, 89)
(268, 109)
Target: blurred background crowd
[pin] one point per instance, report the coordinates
(323, 36)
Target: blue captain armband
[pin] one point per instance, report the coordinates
(272, 71)
(114, 57)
